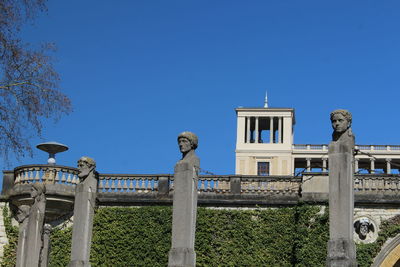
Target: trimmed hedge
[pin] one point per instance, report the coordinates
(295, 236)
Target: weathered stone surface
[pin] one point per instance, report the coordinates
(44, 255)
(31, 228)
(341, 247)
(182, 252)
(85, 201)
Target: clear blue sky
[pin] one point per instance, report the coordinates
(140, 72)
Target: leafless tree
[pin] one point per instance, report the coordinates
(29, 84)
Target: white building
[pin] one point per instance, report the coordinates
(265, 146)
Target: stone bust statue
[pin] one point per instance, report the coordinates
(86, 166)
(188, 143)
(87, 175)
(342, 136)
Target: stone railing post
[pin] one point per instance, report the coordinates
(85, 201)
(163, 186)
(235, 185)
(8, 181)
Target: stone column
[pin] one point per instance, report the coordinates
(28, 252)
(280, 130)
(44, 255)
(248, 130)
(324, 160)
(271, 130)
(341, 247)
(256, 136)
(372, 166)
(23, 218)
(388, 166)
(182, 252)
(308, 160)
(356, 165)
(85, 201)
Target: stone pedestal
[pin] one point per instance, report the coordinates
(182, 252)
(341, 247)
(85, 200)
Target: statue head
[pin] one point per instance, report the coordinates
(341, 120)
(187, 141)
(37, 190)
(363, 226)
(85, 165)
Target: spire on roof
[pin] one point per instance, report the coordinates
(266, 100)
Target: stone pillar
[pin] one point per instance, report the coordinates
(30, 234)
(85, 201)
(8, 181)
(324, 160)
(341, 247)
(271, 130)
(248, 130)
(22, 217)
(372, 166)
(388, 166)
(356, 165)
(184, 211)
(44, 256)
(308, 164)
(256, 136)
(280, 130)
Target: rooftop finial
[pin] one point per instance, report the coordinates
(266, 100)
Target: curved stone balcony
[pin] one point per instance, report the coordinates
(60, 184)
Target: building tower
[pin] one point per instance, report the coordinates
(264, 141)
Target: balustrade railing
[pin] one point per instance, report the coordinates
(265, 185)
(377, 184)
(360, 147)
(128, 183)
(47, 174)
(207, 184)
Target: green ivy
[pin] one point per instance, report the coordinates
(295, 236)
(10, 250)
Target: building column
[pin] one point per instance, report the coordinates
(372, 166)
(308, 164)
(280, 130)
(324, 160)
(256, 132)
(271, 130)
(356, 165)
(248, 130)
(388, 166)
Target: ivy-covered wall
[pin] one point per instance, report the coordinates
(295, 236)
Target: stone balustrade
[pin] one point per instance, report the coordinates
(366, 148)
(131, 183)
(382, 184)
(45, 174)
(225, 189)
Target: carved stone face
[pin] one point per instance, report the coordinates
(184, 145)
(339, 123)
(34, 192)
(84, 168)
(364, 228)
